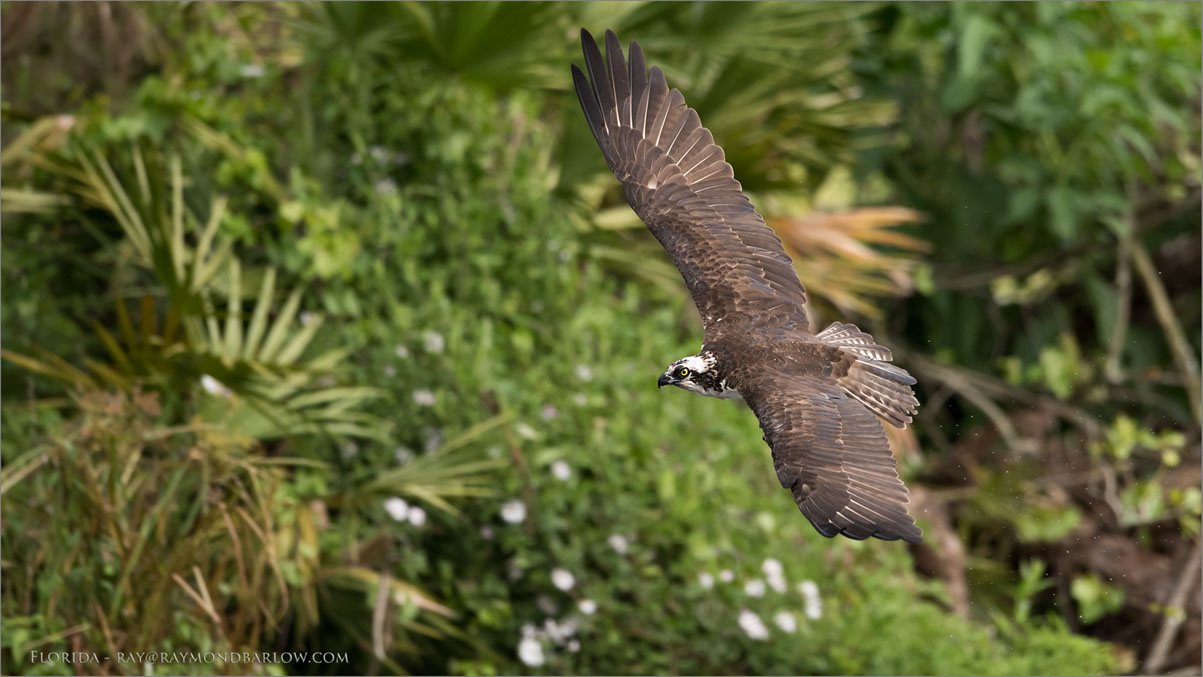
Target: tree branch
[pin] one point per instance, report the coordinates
(1174, 612)
(1179, 345)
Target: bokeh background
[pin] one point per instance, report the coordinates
(326, 329)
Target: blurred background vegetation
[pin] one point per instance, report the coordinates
(326, 329)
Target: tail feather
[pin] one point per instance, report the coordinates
(883, 388)
(855, 341)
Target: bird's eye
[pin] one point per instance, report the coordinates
(682, 372)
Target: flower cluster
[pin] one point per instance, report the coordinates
(401, 511)
(774, 578)
(562, 579)
(814, 603)
(513, 511)
(433, 342)
(774, 573)
(754, 588)
(752, 626)
(553, 633)
(214, 387)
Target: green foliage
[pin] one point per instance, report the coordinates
(1095, 598)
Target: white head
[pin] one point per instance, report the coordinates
(697, 374)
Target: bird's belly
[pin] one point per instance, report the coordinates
(726, 393)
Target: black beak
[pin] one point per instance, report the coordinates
(664, 380)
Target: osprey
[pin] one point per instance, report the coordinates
(817, 396)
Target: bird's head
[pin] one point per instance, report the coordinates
(696, 374)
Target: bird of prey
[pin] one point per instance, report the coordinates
(817, 396)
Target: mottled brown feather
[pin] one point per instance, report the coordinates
(832, 453)
(677, 180)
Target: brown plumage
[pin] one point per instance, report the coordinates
(817, 397)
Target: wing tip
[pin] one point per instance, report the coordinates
(910, 533)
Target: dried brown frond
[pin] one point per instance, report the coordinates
(849, 258)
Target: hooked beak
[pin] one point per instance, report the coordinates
(664, 380)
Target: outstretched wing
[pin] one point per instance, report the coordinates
(676, 179)
(832, 453)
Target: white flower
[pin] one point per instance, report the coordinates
(618, 542)
(584, 373)
(559, 632)
(402, 351)
(530, 652)
(546, 604)
(390, 371)
(397, 508)
(814, 603)
(417, 516)
(785, 621)
(306, 317)
(587, 606)
(424, 398)
(754, 588)
(726, 576)
(252, 70)
(705, 580)
(348, 449)
(403, 455)
(433, 438)
(574, 646)
(525, 431)
(433, 342)
(562, 579)
(550, 412)
(775, 573)
(529, 630)
(561, 470)
(513, 511)
(580, 399)
(214, 387)
(752, 626)
(378, 153)
(386, 186)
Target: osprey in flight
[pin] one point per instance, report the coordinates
(817, 396)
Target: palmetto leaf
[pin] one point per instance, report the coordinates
(439, 475)
(836, 246)
(260, 360)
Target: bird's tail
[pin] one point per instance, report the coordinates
(882, 387)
